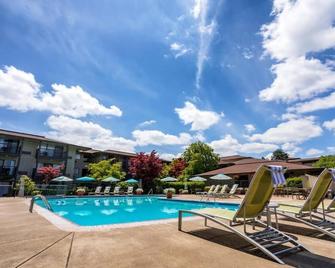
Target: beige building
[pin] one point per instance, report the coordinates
(23, 154)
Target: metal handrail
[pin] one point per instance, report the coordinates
(150, 191)
(43, 198)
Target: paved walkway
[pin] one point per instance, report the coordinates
(28, 240)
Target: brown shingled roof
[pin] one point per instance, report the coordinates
(252, 167)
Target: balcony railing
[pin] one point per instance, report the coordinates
(9, 148)
(51, 154)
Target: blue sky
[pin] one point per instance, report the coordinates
(247, 77)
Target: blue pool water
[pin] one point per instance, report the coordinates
(93, 211)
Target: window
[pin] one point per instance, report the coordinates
(7, 167)
(51, 150)
(9, 145)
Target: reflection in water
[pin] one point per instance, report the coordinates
(130, 202)
(62, 213)
(169, 210)
(80, 203)
(108, 211)
(97, 203)
(106, 202)
(116, 202)
(83, 213)
(130, 209)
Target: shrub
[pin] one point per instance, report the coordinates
(180, 185)
(207, 188)
(29, 185)
(173, 190)
(294, 182)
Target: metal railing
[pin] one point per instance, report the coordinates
(43, 198)
(151, 191)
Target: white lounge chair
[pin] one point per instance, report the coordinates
(130, 190)
(107, 190)
(116, 190)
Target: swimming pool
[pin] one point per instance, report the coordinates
(95, 211)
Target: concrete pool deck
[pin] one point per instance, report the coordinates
(29, 240)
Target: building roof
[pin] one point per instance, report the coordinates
(232, 159)
(250, 168)
(29, 136)
(93, 151)
(302, 160)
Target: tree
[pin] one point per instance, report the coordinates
(279, 154)
(146, 167)
(325, 161)
(165, 172)
(177, 167)
(200, 157)
(49, 173)
(106, 168)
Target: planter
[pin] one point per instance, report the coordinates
(139, 191)
(80, 193)
(169, 194)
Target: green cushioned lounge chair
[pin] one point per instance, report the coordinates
(308, 213)
(256, 199)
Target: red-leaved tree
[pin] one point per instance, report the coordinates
(49, 173)
(177, 167)
(146, 167)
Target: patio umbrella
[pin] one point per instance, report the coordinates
(198, 179)
(110, 179)
(132, 181)
(221, 177)
(85, 179)
(62, 179)
(169, 179)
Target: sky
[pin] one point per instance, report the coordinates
(246, 77)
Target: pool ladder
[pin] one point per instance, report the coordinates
(150, 191)
(43, 198)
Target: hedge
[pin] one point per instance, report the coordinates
(191, 185)
(294, 182)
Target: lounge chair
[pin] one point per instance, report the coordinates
(107, 190)
(97, 191)
(214, 192)
(223, 191)
(130, 190)
(211, 189)
(116, 190)
(308, 213)
(252, 206)
(232, 191)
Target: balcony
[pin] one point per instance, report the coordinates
(50, 154)
(12, 149)
(7, 173)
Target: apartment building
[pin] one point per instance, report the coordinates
(23, 153)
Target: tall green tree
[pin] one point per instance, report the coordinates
(325, 161)
(200, 157)
(279, 154)
(106, 168)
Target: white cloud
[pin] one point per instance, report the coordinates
(313, 152)
(291, 148)
(199, 119)
(169, 157)
(299, 79)
(229, 146)
(293, 131)
(249, 128)
(247, 100)
(86, 133)
(147, 123)
(316, 104)
(179, 49)
(331, 149)
(330, 125)
(21, 92)
(157, 137)
(299, 27)
(229, 124)
(206, 31)
(247, 54)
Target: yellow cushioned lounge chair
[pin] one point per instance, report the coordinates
(308, 212)
(252, 206)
